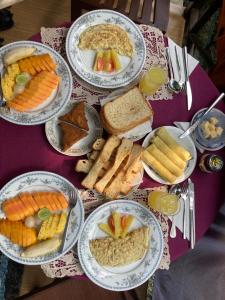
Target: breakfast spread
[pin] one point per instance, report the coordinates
(125, 112)
(74, 126)
(32, 218)
(114, 168)
(165, 156)
(106, 36)
(125, 250)
(210, 129)
(29, 79)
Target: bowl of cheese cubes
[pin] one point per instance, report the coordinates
(210, 134)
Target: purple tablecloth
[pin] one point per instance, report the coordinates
(25, 148)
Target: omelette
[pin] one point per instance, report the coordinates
(106, 36)
(123, 251)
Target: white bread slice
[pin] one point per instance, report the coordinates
(126, 112)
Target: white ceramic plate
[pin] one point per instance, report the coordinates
(132, 275)
(82, 60)
(44, 181)
(83, 146)
(56, 101)
(186, 142)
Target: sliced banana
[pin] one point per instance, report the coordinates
(18, 53)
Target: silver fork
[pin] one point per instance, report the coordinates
(72, 204)
(184, 197)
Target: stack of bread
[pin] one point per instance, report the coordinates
(165, 156)
(125, 112)
(112, 167)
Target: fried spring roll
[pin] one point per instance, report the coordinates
(158, 167)
(164, 160)
(167, 138)
(168, 152)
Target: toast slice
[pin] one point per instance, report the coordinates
(126, 112)
(70, 135)
(76, 116)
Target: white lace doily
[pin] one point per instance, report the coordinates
(155, 55)
(68, 264)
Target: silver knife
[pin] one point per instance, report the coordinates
(192, 211)
(195, 125)
(187, 85)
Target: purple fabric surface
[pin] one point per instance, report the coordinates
(25, 148)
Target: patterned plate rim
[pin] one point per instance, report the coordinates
(153, 175)
(80, 254)
(110, 85)
(66, 98)
(79, 206)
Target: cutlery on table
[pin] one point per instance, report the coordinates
(180, 81)
(184, 198)
(196, 123)
(191, 196)
(72, 204)
(173, 85)
(175, 189)
(187, 85)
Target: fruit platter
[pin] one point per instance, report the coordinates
(34, 217)
(36, 83)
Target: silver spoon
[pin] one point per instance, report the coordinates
(173, 85)
(175, 189)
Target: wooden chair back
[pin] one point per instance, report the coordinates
(150, 12)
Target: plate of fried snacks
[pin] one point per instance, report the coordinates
(36, 82)
(113, 168)
(167, 158)
(34, 215)
(121, 245)
(106, 49)
(75, 129)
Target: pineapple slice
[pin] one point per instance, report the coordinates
(115, 60)
(117, 223)
(99, 61)
(106, 228)
(62, 223)
(108, 63)
(128, 221)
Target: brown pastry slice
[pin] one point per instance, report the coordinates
(76, 116)
(70, 135)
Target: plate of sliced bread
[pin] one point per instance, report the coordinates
(113, 168)
(127, 115)
(74, 131)
(168, 159)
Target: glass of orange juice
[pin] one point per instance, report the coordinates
(152, 80)
(163, 202)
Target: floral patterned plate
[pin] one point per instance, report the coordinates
(55, 103)
(129, 276)
(45, 181)
(83, 146)
(82, 60)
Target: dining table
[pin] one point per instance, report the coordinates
(26, 148)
